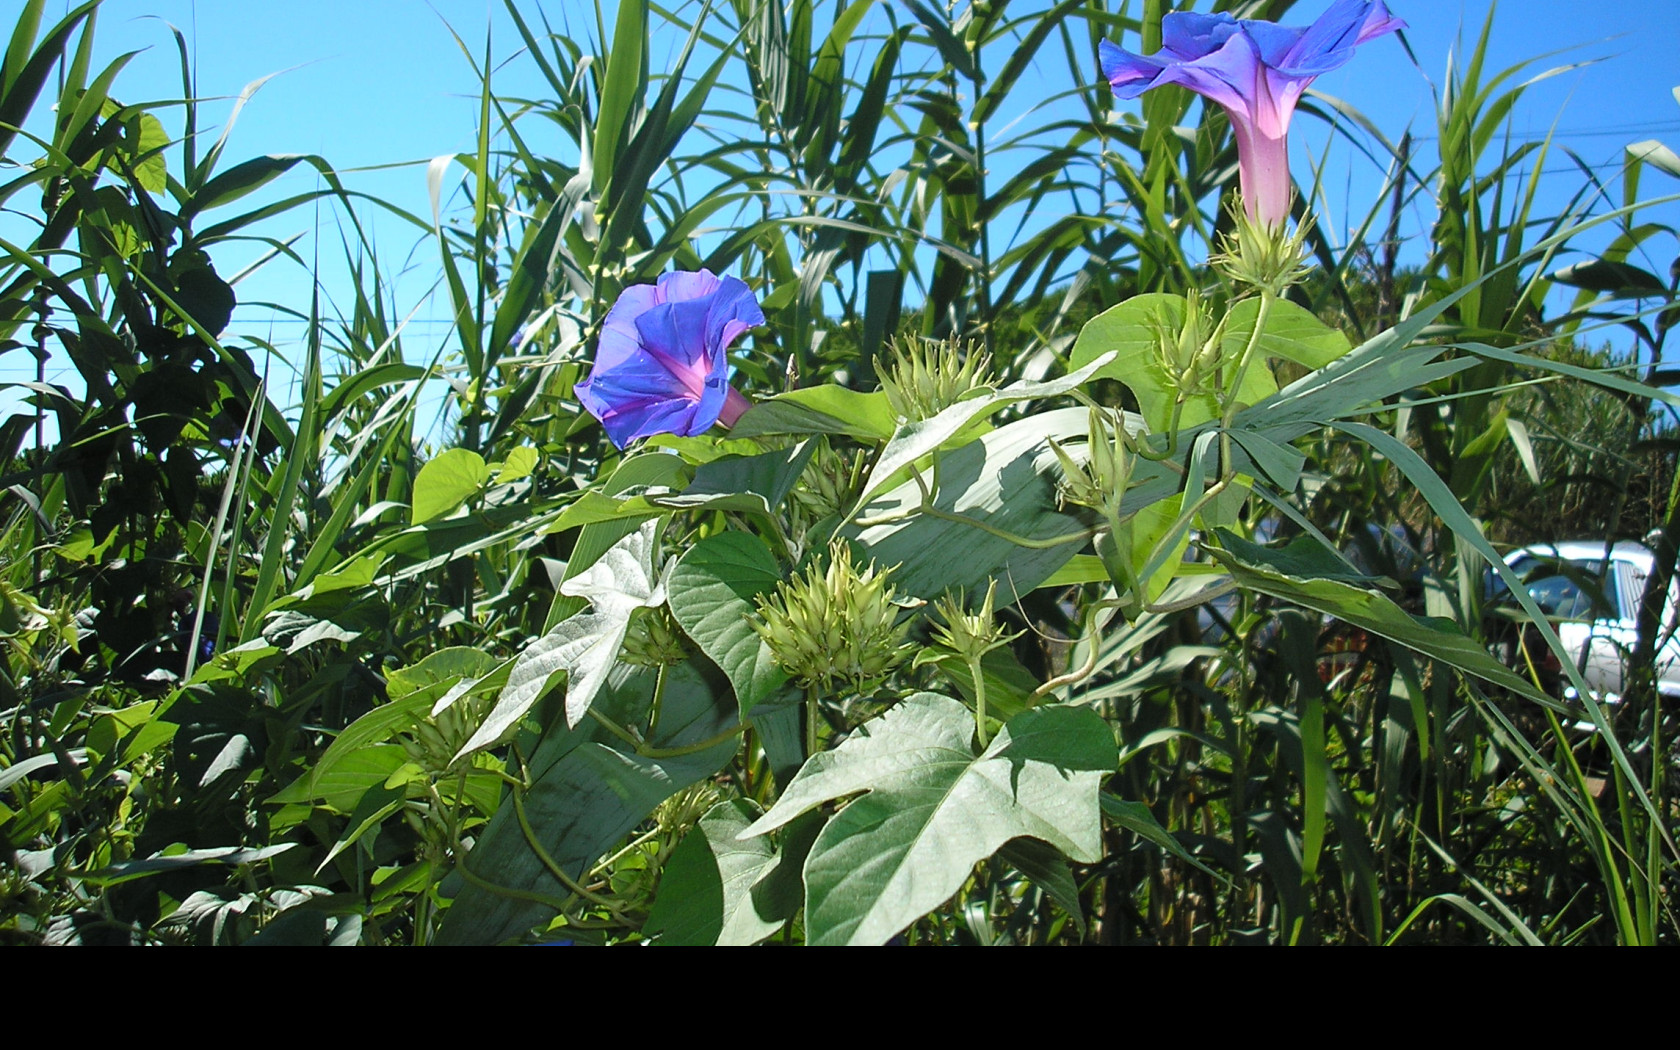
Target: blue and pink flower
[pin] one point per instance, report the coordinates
(1255, 70)
(662, 362)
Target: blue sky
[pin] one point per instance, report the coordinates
(369, 83)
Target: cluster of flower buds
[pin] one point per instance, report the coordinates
(1265, 258)
(653, 640)
(970, 635)
(926, 377)
(834, 625)
(435, 740)
(684, 809)
(1190, 354)
(1101, 482)
(829, 484)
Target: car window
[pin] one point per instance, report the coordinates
(1572, 590)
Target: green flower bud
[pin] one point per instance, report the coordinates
(828, 485)
(684, 809)
(435, 740)
(1190, 353)
(654, 640)
(1102, 480)
(970, 635)
(926, 377)
(834, 625)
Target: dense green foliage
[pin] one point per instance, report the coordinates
(1134, 651)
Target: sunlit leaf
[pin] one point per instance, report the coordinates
(446, 482)
(706, 891)
(583, 647)
(931, 810)
(711, 595)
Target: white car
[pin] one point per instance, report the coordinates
(1594, 613)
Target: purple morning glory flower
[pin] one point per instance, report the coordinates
(662, 362)
(1257, 72)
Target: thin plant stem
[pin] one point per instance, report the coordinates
(473, 879)
(979, 674)
(1250, 350)
(554, 869)
(694, 748)
(658, 700)
(810, 722)
(616, 730)
(1093, 636)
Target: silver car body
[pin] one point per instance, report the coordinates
(1603, 625)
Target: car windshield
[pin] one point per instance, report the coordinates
(1572, 590)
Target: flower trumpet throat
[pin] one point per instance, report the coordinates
(834, 625)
